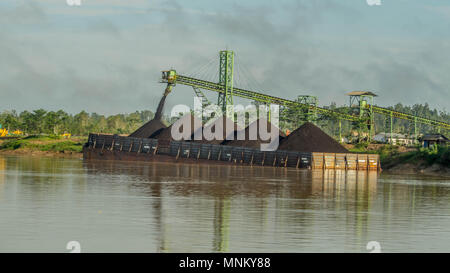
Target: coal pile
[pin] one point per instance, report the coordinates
(256, 143)
(195, 123)
(149, 129)
(154, 126)
(310, 138)
(223, 122)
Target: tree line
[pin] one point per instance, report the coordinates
(58, 122)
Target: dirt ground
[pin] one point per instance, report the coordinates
(409, 168)
(30, 152)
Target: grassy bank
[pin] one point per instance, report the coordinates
(412, 159)
(421, 156)
(48, 144)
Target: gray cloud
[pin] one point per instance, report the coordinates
(25, 12)
(105, 64)
(104, 27)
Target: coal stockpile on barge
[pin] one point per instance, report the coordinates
(254, 127)
(227, 126)
(301, 149)
(195, 124)
(154, 126)
(310, 138)
(149, 129)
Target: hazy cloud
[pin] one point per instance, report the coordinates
(107, 57)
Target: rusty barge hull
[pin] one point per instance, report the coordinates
(114, 147)
(90, 153)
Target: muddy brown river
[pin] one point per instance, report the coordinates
(45, 203)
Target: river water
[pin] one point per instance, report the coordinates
(140, 207)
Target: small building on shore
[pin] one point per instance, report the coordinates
(432, 139)
(395, 139)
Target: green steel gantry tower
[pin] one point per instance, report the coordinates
(225, 98)
(360, 101)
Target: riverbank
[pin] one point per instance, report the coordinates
(409, 160)
(395, 159)
(54, 146)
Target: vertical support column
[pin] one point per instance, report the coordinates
(362, 121)
(140, 147)
(340, 131)
(372, 120)
(314, 109)
(391, 124)
(225, 99)
(416, 133)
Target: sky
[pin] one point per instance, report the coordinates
(106, 56)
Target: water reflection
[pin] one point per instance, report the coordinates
(118, 206)
(221, 224)
(227, 181)
(272, 198)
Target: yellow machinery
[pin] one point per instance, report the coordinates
(17, 132)
(170, 76)
(3, 132)
(66, 135)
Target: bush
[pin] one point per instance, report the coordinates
(42, 137)
(11, 144)
(429, 156)
(48, 144)
(63, 146)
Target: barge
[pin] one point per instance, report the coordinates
(114, 147)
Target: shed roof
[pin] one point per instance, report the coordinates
(361, 93)
(435, 137)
